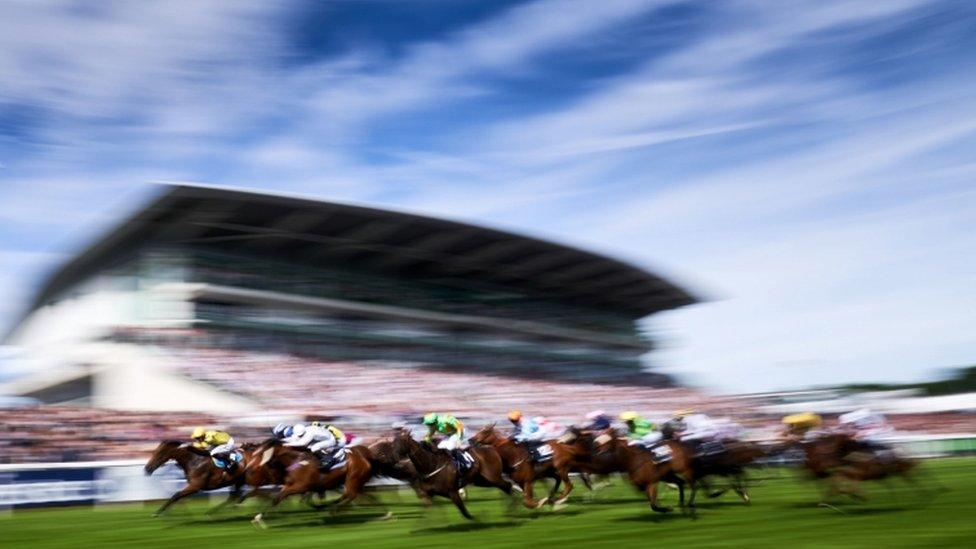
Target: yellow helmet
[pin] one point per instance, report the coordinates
(198, 432)
(514, 415)
(683, 413)
(803, 420)
(628, 416)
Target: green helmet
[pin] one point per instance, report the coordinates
(430, 419)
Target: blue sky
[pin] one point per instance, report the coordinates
(806, 166)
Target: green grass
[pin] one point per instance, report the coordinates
(783, 513)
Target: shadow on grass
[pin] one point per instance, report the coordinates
(467, 527)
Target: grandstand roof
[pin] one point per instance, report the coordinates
(383, 241)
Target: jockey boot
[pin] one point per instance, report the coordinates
(326, 460)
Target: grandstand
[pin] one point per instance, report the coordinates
(216, 301)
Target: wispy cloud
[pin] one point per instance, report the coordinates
(805, 164)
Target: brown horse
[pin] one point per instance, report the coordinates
(519, 466)
(439, 476)
(638, 463)
(730, 463)
(302, 473)
(198, 468)
(387, 465)
(843, 463)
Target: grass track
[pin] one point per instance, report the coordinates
(783, 513)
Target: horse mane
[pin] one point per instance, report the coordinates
(171, 442)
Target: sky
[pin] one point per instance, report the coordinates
(805, 167)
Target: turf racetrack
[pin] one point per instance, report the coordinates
(783, 513)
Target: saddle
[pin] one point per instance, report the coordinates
(539, 452)
(232, 458)
(332, 460)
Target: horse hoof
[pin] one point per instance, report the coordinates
(561, 501)
(259, 522)
(156, 515)
(541, 502)
(388, 516)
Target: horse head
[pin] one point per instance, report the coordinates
(164, 452)
(486, 435)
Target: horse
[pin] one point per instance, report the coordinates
(637, 462)
(693, 469)
(438, 473)
(387, 465)
(302, 473)
(198, 468)
(836, 457)
(519, 466)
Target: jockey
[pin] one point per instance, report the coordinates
(867, 428)
(321, 439)
(447, 425)
(639, 430)
(696, 427)
(282, 431)
(802, 426)
(219, 443)
(597, 420)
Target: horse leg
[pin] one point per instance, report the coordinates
(564, 478)
(459, 503)
(651, 490)
(235, 495)
(739, 486)
(188, 490)
(585, 478)
(286, 491)
(555, 487)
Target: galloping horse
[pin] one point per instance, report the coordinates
(386, 464)
(302, 474)
(519, 466)
(639, 464)
(198, 468)
(837, 457)
(730, 463)
(439, 476)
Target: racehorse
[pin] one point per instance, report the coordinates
(836, 458)
(439, 475)
(198, 468)
(302, 474)
(729, 463)
(637, 462)
(520, 467)
(387, 465)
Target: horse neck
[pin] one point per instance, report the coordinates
(423, 460)
(185, 458)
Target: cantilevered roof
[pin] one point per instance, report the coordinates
(381, 241)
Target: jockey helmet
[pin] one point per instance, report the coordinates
(198, 433)
(430, 419)
(288, 432)
(279, 429)
(595, 414)
(683, 413)
(298, 430)
(628, 416)
(514, 415)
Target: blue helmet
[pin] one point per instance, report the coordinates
(279, 430)
(289, 431)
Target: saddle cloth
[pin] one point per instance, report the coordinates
(236, 456)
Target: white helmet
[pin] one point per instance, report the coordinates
(299, 429)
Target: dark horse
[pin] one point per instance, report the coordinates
(519, 466)
(386, 464)
(198, 468)
(439, 476)
(303, 475)
(730, 463)
(843, 463)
